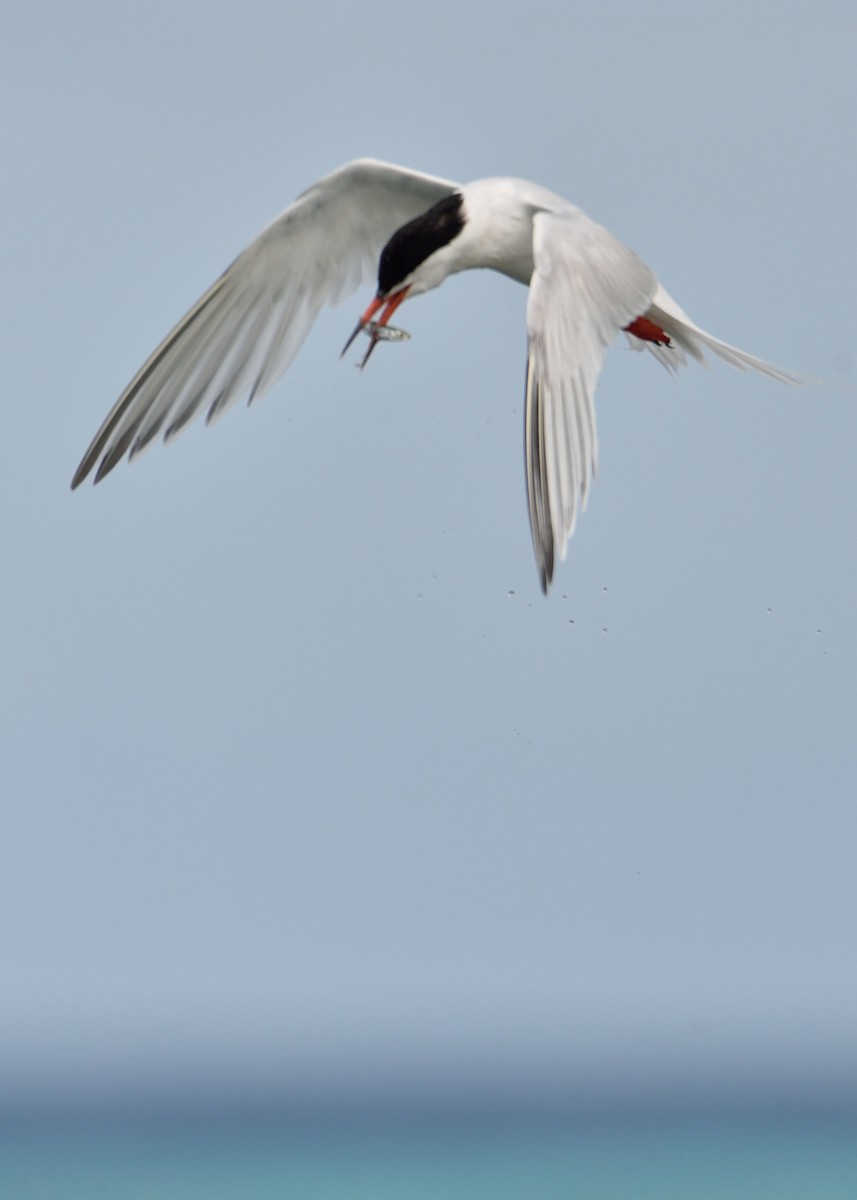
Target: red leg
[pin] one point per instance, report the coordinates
(648, 331)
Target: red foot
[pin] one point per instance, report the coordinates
(648, 331)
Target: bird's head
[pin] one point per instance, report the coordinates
(402, 265)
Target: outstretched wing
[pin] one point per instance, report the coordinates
(243, 333)
(585, 287)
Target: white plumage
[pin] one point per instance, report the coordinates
(585, 287)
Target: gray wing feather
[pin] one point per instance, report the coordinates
(244, 332)
(585, 287)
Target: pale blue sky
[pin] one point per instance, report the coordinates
(304, 783)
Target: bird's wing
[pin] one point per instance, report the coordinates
(585, 287)
(243, 333)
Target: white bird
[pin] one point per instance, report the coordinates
(416, 230)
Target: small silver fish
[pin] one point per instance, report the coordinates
(385, 333)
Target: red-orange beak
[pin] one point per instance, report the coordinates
(390, 304)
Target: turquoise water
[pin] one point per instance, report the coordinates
(547, 1160)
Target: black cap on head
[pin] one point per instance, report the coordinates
(414, 242)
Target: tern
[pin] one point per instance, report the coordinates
(416, 230)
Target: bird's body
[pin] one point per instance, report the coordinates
(416, 230)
